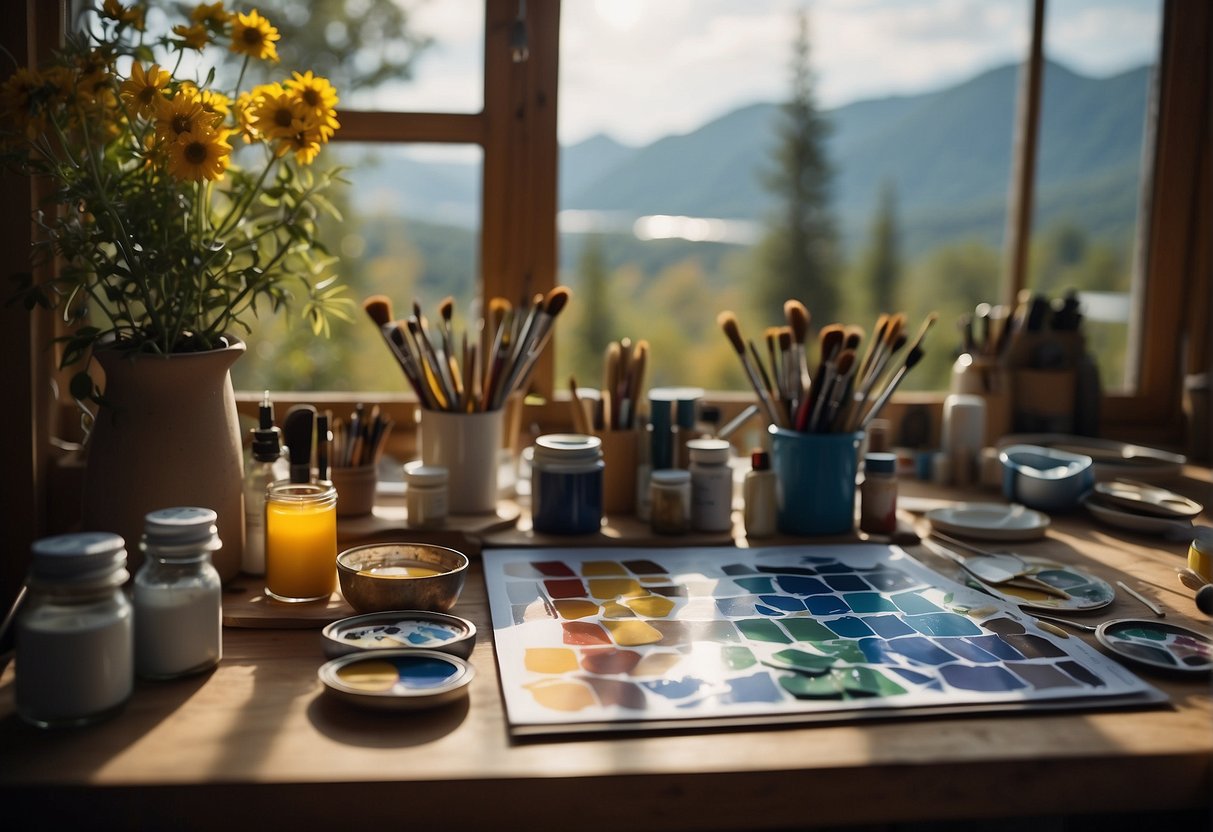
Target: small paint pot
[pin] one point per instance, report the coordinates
(567, 484)
(1045, 479)
(400, 630)
(397, 680)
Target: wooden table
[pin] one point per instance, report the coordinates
(255, 744)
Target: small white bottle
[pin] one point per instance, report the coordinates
(760, 496)
(670, 499)
(177, 596)
(75, 636)
(426, 498)
(711, 485)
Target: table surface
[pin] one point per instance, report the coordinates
(257, 738)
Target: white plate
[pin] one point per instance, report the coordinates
(1131, 520)
(990, 521)
(1141, 498)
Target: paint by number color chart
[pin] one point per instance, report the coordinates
(629, 638)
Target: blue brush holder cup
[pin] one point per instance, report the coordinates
(815, 475)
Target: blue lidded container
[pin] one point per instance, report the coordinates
(566, 484)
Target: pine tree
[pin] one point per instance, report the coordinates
(882, 266)
(798, 256)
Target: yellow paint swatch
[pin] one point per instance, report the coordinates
(602, 567)
(614, 609)
(653, 606)
(561, 695)
(616, 588)
(575, 608)
(550, 659)
(369, 675)
(632, 633)
(656, 664)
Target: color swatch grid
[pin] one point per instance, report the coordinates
(621, 638)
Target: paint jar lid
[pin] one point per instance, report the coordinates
(880, 463)
(760, 460)
(422, 475)
(79, 557)
(708, 450)
(671, 476)
(180, 532)
(566, 448)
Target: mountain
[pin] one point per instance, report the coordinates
(947, 152)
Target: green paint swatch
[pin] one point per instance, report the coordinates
(810, 687)
(808, 629)
(800, 661)
(737, 658)
(760, 629)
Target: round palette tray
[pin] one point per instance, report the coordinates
(1157, 644)
(990, 521)
(1141, 498)
(400, 630)
(1131, 520)
(397, 680)
(1087, 592)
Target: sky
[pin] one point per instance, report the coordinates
(638, 70)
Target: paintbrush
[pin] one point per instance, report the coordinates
(553, 304)
(439, 365)
(842, 388)
(379, 309)
(797, 316)
(912, 358)
(430, 367)
(297, 433)
(580, 420)
(732, 330)
(831, 339)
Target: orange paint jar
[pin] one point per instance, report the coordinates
(300, 541)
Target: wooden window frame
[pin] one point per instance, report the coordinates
(518, 249)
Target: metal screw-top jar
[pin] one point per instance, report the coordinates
(566, 484)
(177, 597)
(670, 499)
(75, 642)
(426, 496)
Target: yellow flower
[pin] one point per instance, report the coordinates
(213, 102)
(192, 37)
(276, 114)
(199, 154)
(209, 14)
(305, 144)
(253, 35)
(19, 98)
(132, 16)
(244, 116)
(320, 98)
(183, 113)
(145, 88)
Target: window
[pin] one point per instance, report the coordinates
(515, 127)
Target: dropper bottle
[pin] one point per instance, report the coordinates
(267, 461)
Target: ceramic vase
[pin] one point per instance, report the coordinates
(167, 436)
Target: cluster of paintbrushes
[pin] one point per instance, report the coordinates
(477, 373)
(624, 365)
(361, 440)
(847, 390)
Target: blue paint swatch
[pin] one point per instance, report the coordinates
(890, 580)
(849, 627)
(786, 603)
(911, 603)
(966, 649)
(834, 568)
(756, 688)
(801, 585)
(846, 583)
(788, 570)
(943, 624)
(675, 688)
(826, 605)
(875, 651)
(869, 602)
(982, 678)
(995, 645)
(920, 650)
(914, 677)
(888, 626)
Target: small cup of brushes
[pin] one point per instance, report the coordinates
(357, 447)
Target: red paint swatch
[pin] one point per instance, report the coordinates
(584, 633)
(568, 588)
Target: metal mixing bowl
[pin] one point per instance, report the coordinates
(368, 589)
